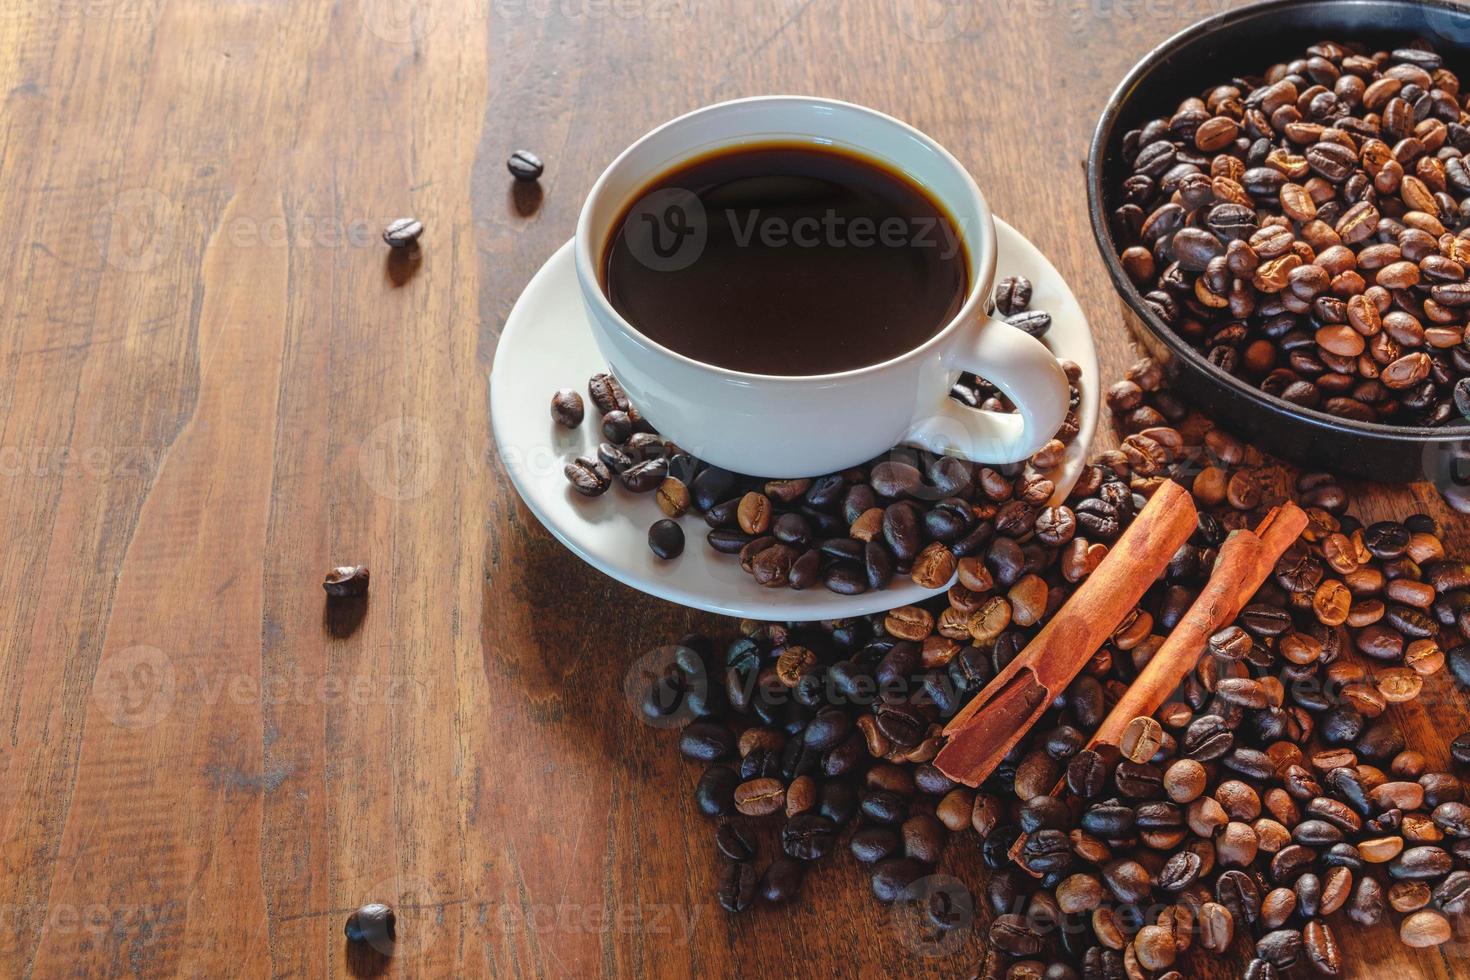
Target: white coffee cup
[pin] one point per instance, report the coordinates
(794, 426)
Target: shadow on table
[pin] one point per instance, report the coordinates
(402, 264)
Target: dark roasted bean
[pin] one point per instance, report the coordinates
(525, 165)
(403, 232)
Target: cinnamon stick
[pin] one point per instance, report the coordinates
(1245, 560)
(996, 718)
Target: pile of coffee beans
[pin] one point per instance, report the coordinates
(1308, 231)
(1273, 796)
(908, 513)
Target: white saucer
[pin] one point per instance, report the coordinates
(547, 344)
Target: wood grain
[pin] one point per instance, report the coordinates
(214, 386)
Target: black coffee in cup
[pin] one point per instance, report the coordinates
(786, 259)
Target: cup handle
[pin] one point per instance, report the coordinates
(1029, 375)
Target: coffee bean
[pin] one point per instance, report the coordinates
(1086, 774)
(760, 797)
(1424, 929)
(1184, 780)
(1012, 295)
(1128, 880)
(885, 807)
(1141, 739)
(1280, 947)
(1238, 893)
(808, 837)
(1207, 738)
(737, 886)
(1045, 851)
(1013, 934)
(566, 408)
(666, 539)
(347, 581)
(525, 165)
(1368, 903)
(1421, 863)
(1180, 871)
(589, 477)
(1453, 894)
(923, 838)
(1033, 322)
(715, 794)
(608, 395)
(403, 232)
(375, 924)
(1109, 819)
(734, 842)
(707, 741)
(1155, 948)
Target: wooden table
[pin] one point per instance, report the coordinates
(215, 387)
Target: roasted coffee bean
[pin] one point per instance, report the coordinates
(760, 797)
(1109, 819)
(707, 741)
(1033, 322)
(645, 476)
(589, 477)
(1128, 880)
(923, 838)
(375, 924)
(1086, 774)
(1045, 851)
(808, 836)
(666, 539)
(1421, 863)
(1207, 738)
(715, 794)
(1141, 739)
(1216, 927)
(1368, 902)
(347, 582)
(884, 806)
(1184, 780)
(874, 843)
(566, 408)
(1425, 929)
(1180, 871)
(403, 232)
(1015, 935)
(525, 165)
(1265, 620)
(607, 396)
(1064, 742)
(827, 729)
(734, 842)
(1012, 295)
(737, 886)
(1453, 894)
(901, 531)
(1460, 748)
(901, 723)
(1238, 893)
(1139, 781)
